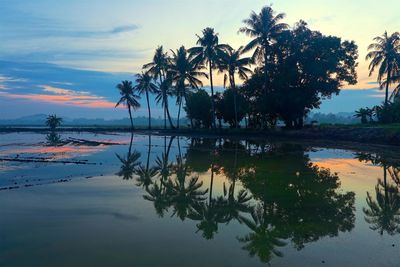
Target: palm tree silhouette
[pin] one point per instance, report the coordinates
(145, 85)
(52, 121)
(232, 63)
(264, 237)
(158, 68)
(128, 98)
(208, 52)
(184, 73)
(363, 114)
(384, 213)
(384, 54)
(162, 95)
(263, 28)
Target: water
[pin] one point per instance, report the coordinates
(162, 201)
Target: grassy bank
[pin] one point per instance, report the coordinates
(372, 134)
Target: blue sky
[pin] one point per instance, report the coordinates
(118, 37)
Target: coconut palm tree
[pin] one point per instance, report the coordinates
(185, 73)
(52, 121)
(146, 86)
(163, 93)
(207, 52)
(363, 113)
(232, 63)
(158, 69)
(128, 98)
(159, 66)
(384, 54)
(263, 28)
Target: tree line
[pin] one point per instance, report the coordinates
(281, 74)
(384, 54)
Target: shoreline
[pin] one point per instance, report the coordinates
(364, 135)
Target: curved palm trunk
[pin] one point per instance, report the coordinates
(191, 120)
(148, 108)
(168, 114)
(387, 87)
(233, 86)
(265, 80)
(130, 116)
(179, 112)
(212, 96)
(165, 118)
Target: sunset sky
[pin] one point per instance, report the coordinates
(118, 37)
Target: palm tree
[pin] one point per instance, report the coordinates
(158, 69)
(159, 66)
(128, 98)
(52, 121)
(384, 54)
(208, 52)
(263, 28)
(233, 64)
(162, 95)
(184, 73)
(362, 113)
(145, 85)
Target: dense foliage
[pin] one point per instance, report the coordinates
(285, 73)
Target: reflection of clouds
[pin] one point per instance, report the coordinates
(357, 176)
(56, 153)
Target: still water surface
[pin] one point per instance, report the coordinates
(116, 200)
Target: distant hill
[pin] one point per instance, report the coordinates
(331, 118)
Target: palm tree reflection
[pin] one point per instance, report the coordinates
(261, 192)
(146, 173)
(264, 238)
(128, 163)
(383, 213)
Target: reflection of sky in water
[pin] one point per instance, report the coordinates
(91, 219)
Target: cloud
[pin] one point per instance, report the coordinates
(65, 97)
(61, 91)
(124, 28)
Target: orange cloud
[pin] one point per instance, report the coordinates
(66, 97)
